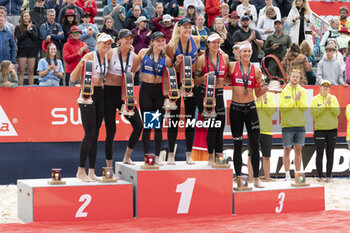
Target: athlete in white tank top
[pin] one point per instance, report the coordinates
(115, 68)
(97, 70)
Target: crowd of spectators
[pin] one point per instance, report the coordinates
(47, 38)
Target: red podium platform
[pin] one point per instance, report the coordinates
(179, 189)
(279, 197)
(75, 201)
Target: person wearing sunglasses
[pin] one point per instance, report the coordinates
(73, 51)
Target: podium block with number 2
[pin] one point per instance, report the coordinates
(179, 190)
(76, 201)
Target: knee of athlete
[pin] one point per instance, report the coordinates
(237, 139)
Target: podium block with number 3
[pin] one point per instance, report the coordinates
(76, 201)
(179, 190)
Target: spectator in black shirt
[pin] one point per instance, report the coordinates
(158, 13)
(232, 27)
(109, 29)
(130, 22)
(27, 35)
(248, 34)
(69, 19)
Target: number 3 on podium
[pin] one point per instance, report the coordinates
(281, 196)
(186, 190)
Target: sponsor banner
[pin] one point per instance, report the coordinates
(327, 10)
(341, 162)
(51, 114)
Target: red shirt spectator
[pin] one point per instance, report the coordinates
(88, 6)
(212, 8)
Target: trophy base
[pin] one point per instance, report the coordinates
(219, 165)
(169, 106)
(82, 101)
(300, 185)
(126, 113)
(149, 167)
(243, 189)
(209, 115)
(56, 182)
(111, 180)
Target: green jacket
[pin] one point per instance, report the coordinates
(283, 39)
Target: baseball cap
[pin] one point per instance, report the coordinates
(103, 37)
(245, 17)
(155, 35)
(278, 21)
(124, 33)
(234, 14)
(213, 37)
(69, 12)
(325, 82)
(141, 19)
(74, 28)
(184, 21)
(167, 18)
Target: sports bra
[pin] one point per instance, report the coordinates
(236, 77)
(114, 66)
(222, 70)
(193, 53)
(147, 66)
(97, 70)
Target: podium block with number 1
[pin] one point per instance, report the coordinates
(179, 190)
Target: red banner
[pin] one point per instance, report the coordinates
(327, 8)
(51, 114)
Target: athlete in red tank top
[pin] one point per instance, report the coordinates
(222, 66)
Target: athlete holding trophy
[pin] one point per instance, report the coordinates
(118, 94)
(151, 98)
(183, 50)
(211, 69)
(92, 69)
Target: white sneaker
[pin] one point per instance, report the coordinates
(288, 178)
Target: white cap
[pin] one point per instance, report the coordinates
(213, 37)
(141, 19)
(104, 37)
(167, 18)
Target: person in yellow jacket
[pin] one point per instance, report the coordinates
(325, 111)
(266, 107)
(292, 105)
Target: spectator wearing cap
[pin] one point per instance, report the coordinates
(159, 13)
(191, 14)
(143, 11)
(73, 51)
(171, 7)
(248, 9)
(233, 25)
(68, 21)
(277, 44)
(343, 17)
(197, 4)
(71, 5)
(225, 13)
(9, 25)
(130, 22)
(268, 4)
(7, 43)
(142, 35)
(212, 9)
(343, 39)
(266, 23)
(300, 21)
(13, 8)
(88, 32)
(27, 36)
(52, 31)
(89, 6)
(235, 55)
(325, 110)
(246, 33)
(117, 12)
(167, 27)
(50, 68)
(329, 69)
(201, 31)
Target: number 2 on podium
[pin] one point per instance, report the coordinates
(186, 190)
(86, 198)
(281, 196)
